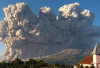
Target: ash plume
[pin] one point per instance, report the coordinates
(26, 35)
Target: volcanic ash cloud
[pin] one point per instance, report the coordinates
(26, 35)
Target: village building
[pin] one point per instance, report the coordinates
(93, 59)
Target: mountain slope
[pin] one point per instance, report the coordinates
(68, 56)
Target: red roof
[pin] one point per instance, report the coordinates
(87, 60)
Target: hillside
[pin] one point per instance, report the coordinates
(68, 56)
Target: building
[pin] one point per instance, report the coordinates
(87, 61)
(93, 59)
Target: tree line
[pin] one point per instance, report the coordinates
(31, 63)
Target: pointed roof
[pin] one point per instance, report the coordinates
(96, 50)
(87, 60)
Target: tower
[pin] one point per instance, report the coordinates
(96, 56)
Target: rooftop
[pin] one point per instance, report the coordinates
(87, 60)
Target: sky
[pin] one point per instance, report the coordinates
(92, 5)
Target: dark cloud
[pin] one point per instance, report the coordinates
(26, 35)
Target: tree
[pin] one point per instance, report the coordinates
(17, 61)
(92, 66)
(41, 63)
(86, 67)
(3, 65)
(25, 66)
(32, 61)
(81, 66)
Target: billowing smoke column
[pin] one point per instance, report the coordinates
(26, 35)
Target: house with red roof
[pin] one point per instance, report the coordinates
(93, 59)
(87, 61)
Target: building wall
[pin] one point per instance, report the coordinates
(96, 61)
(89, 65)
(75, 66)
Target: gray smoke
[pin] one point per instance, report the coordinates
(26, 35)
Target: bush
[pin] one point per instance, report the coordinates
(92, 66)
(81, 66)
(86, 67)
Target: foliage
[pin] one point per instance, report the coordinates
(81, 66)
(31, 63)
(86, 67)
(92, 66)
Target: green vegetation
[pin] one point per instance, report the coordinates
(81, 66)
(92, 66)
(31, 63)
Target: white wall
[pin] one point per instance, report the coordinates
(96, 61)
(75, 66)
(89, 65)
